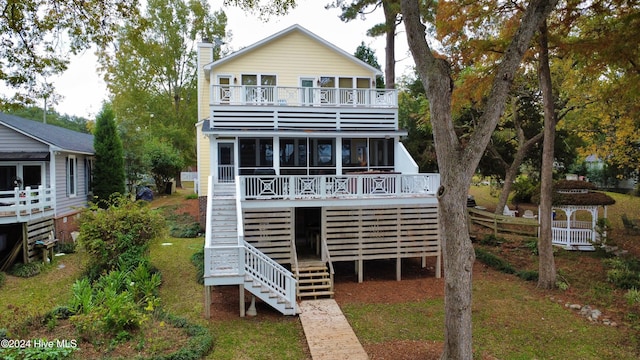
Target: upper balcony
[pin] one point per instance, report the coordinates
(302, 96)
(259, 107)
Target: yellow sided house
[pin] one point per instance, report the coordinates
(301, 166)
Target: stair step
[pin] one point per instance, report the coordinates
(314, 287)
(301, 282)
(316, 294)
(312, 269)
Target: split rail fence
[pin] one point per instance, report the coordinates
(503, 223)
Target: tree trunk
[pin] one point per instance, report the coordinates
(512, 171)
(389, 50)
(546, 265)
(457, 162)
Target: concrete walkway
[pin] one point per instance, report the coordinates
(328, 333)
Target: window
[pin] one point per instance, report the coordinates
(381, 153)
(293, 152)
(323, 155)
(88, 176)
(249, 79)
(72, 177)
(255, 153)
(31, 176)
(354, 153)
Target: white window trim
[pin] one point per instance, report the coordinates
(72, 190)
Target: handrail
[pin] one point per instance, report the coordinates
(208, 225)
(259, 266)
(239, 217)
(294, 252)
(269, 273)
(325, 251)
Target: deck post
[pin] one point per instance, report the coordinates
(360, 276)
(439, 265)
(398, 268)
(242, 311)
(207, 301)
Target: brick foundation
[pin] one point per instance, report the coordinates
(65, 225)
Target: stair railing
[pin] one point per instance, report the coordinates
(239, 217)
(269, 273)
(327, 256)
(259, 266)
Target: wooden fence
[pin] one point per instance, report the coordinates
(503, 223)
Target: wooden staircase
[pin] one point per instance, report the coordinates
(232, 261)
(314, 280)
(268, 296)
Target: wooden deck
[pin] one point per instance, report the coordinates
(328, 333)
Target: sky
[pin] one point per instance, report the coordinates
(83, 90)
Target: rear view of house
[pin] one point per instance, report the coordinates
(301, 166)
(45, 177)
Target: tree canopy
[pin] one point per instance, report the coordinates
(37, 38)
(152, 75)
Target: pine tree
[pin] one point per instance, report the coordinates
(108, 174)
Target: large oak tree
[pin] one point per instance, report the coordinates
(458, 159)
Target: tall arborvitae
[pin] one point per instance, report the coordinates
(108, 174)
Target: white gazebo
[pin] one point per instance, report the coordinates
(580, 203)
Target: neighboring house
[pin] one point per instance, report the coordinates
(596, 172)
(301, 166)
(45, 178)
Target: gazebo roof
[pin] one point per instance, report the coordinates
(575, 192)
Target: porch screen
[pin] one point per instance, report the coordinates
(255, 154)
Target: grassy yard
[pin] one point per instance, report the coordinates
(512, 319)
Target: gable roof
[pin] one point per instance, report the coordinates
(283, 33)
(55, 136)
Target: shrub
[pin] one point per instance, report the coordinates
(632, 296)
(492, 240)
(116, 303)
(67, 247)
(41, 353)
(3, 278)
(197, 259)
(532, 245)
(185, 230)
(118, 236)
(495, 262)
(528, 275)
(523, 188)
(624, 274)
(200, 342)
(26, 270)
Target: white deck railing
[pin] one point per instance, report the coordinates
(337, 186)
(301, 96)
(27, 203)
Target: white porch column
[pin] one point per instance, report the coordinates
(338, 156)
(213, 159)
(276, 154)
